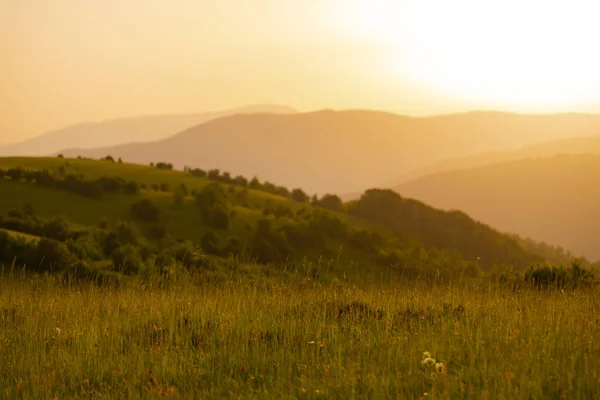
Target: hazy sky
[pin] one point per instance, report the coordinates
(69, 61)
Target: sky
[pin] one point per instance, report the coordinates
(68, 61)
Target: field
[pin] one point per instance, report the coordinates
(290, 336)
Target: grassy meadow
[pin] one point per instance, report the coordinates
(250, 335)
(383, 297)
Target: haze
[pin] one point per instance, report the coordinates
(67, 61)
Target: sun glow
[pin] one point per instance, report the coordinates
(519, 53)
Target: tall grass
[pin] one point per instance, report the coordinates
(290, 336)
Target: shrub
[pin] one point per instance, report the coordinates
(548, 276)
(131, 187)
(145, 210)
(51, 255)
(56, 228)
(127, 260)
(210, 243)
(217, 217)
(157, 232)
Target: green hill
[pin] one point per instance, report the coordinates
(110, 215)
(550, 199)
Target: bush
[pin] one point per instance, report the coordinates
(127, 260)
(122, 233)
(158, 232)
(51, 255)
(548, 276)
(15, 249)
(131, 187)
(57, 229)
(210, 243)
(217, 217)
(145, 210)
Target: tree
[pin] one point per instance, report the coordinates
(330, 202)
(131, 187)
(299, 196)
(209, 196)
(145, 210)
(163, 165)
(109, 158)
(51, 255)
(57, 229)
(217, 217)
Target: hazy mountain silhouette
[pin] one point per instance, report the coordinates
(552, 199)
(344, 151)
(580, 145)
(123, 130)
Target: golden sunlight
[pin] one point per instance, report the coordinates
(533, 55)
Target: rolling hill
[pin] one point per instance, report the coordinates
(579, 145)
(551, 199)
(124, 130)
(380, 229)
(345, 151)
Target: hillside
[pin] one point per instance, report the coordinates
(345, 151)
(124, 130)
(552, 199)
(180, 209)
(580, 145)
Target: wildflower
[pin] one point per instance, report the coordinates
(440, 368)
(428, 362)
(426, 354)
(58, 331)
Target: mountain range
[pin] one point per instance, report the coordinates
(579, 145)
(344, 151)
(124, 130)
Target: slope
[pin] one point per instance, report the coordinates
(552, 199)
(124, 130)
(580, 145)
(346, 151)
(275, 227)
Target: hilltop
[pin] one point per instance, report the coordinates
(122, 130)
(344, 151)
(173, 211)
(551, 199)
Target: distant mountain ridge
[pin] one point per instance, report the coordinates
(123, 130)
(579, 145)
(551, 199)
(344, 151)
